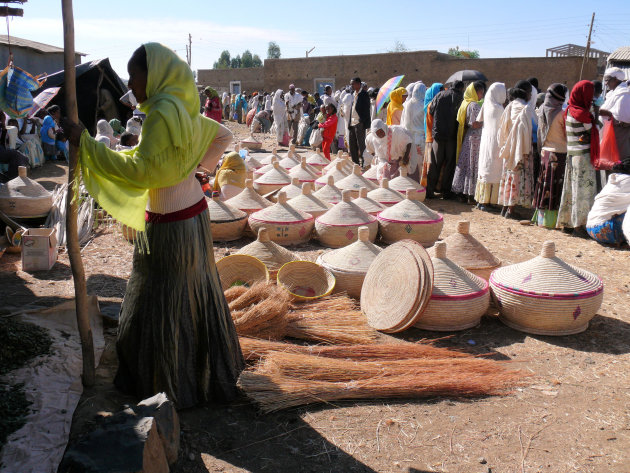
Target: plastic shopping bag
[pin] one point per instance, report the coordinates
(608, 151)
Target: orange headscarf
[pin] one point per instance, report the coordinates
(395, 103)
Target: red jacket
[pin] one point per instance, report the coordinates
(329, 128)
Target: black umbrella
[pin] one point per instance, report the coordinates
(467, 75)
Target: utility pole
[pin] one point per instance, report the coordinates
(588, 45)
(189, 50)
(309, 51)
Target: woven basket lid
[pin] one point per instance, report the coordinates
(289, 162)
(337, 173)
(294, 189)
(281, 213)
(292, 152)
(266, 159)
(451, 281)
(355, 257)
(466, 251)
(267, 251)
(410, 210)
(303, 172)
(23, 187)
(307, 202)
(345, 213)
(547, 275)
(329, 193)
(267, 167)
(370, 174)
(403, 182)
(354, 181)
(317, 159)
(346, 163)
(248, 199)
(366, 204)
(384, 195)
(252, 163)
(222, 211)
(277, 175)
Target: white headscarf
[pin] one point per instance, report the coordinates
(616, 73)
(410, 88)
(134, 127)
(105, 133)
(413, 111)
(378, 145)
(278, 106)
(490, 166)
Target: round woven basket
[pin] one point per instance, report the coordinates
(252, 163)
(241, 270)
(350, 264)
(369, 206)
(248, 200)
(337, 173)
(469, 253)
(268, 157)
(318, 161)
(294, 189)
(370, 175)
(24, 198)
(270, 253)
(305, 280)
(285, 224)
(289, 161)
(384, 195)
(403, 183)
(355, 181)
(226, 222)
(343, 159)
(458, 299)
(266, 167)
(251, 143)
(410, 219)
(545, 295)
(340, 225)
(307, 202)
(273, 180)
(329, 193)
(304, 172)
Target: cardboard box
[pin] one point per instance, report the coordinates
(39, 249)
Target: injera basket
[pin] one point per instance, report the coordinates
(305, 280)
(307, 202)
(252, 163)
(384, 195)
(343, 160)
(24, 198)
(402, 183)
(350, 263)
(248, 200)
(354, 182)
(270, 253)
(285, 224)
(397, 287)
(294, 189)
(458, 299)
(366, 204)
(337, 173)
(469, 253)
(329, 193)
(545, 295)
(370, 175)
(289, 162)
(266, 167)
(251, 143)
(318, 161)
(241, 270)
(272, 180)
(304, 172)
(410, 219)
(340, 225)
(226, 222)
(266, 158)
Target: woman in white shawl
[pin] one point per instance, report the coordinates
(391, 147)
(515, 142)
(490, 165)
(413, 121)
(105, 134)
(279, 108)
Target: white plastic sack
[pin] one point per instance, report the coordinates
(315, 139)
(625, 226)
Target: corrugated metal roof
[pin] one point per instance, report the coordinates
(620, 54)
(27, 43)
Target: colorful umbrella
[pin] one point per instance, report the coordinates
(386, 90)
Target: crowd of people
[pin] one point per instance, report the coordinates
(515, 150)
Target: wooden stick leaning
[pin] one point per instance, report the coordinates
(74, 250)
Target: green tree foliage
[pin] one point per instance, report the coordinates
(273, 50)
(462, 53)
(224, 61)
(399, 47)
(256, 61)
(247, 60)
(236, 62)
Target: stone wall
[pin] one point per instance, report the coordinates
(252, 78)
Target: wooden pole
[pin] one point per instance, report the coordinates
(72, 238)
(588, 45)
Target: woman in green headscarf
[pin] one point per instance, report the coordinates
(175, 333)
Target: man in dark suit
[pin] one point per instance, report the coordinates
(359, 121)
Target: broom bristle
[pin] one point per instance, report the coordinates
(258, 292)
(234, 292)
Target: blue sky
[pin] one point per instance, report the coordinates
(496, 28)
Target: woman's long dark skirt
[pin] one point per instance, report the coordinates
(176, 334)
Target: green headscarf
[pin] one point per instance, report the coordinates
(117, 126)
(174, 139)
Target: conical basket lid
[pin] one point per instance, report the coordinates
(281, 213)
(267, 251)
(356, 257)
(337, 173)
(289, 162)
(317, 159)
(403, 182)
(384, 195)
(345, 213)
(22, 187)
(366, 204)
(329, 193)
(547, 275)
(222, 211)
(303, 172)
(294, 189)
(274, 176)
(248, 199)
(346, 163)
(292, 152)
(450, 279)
(307, 202)
(370, 174)
(355, 181)
(466, 251)
(266, 158)
(410, 210)
(267, 167)
(252, 163)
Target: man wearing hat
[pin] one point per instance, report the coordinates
(617, 108)
(294, 103)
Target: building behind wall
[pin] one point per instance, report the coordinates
(313, 73)
(33, 57)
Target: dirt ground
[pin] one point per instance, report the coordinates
(573, 417)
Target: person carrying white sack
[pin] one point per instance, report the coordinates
(608, 215)
(391, 147)
(413, 121)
